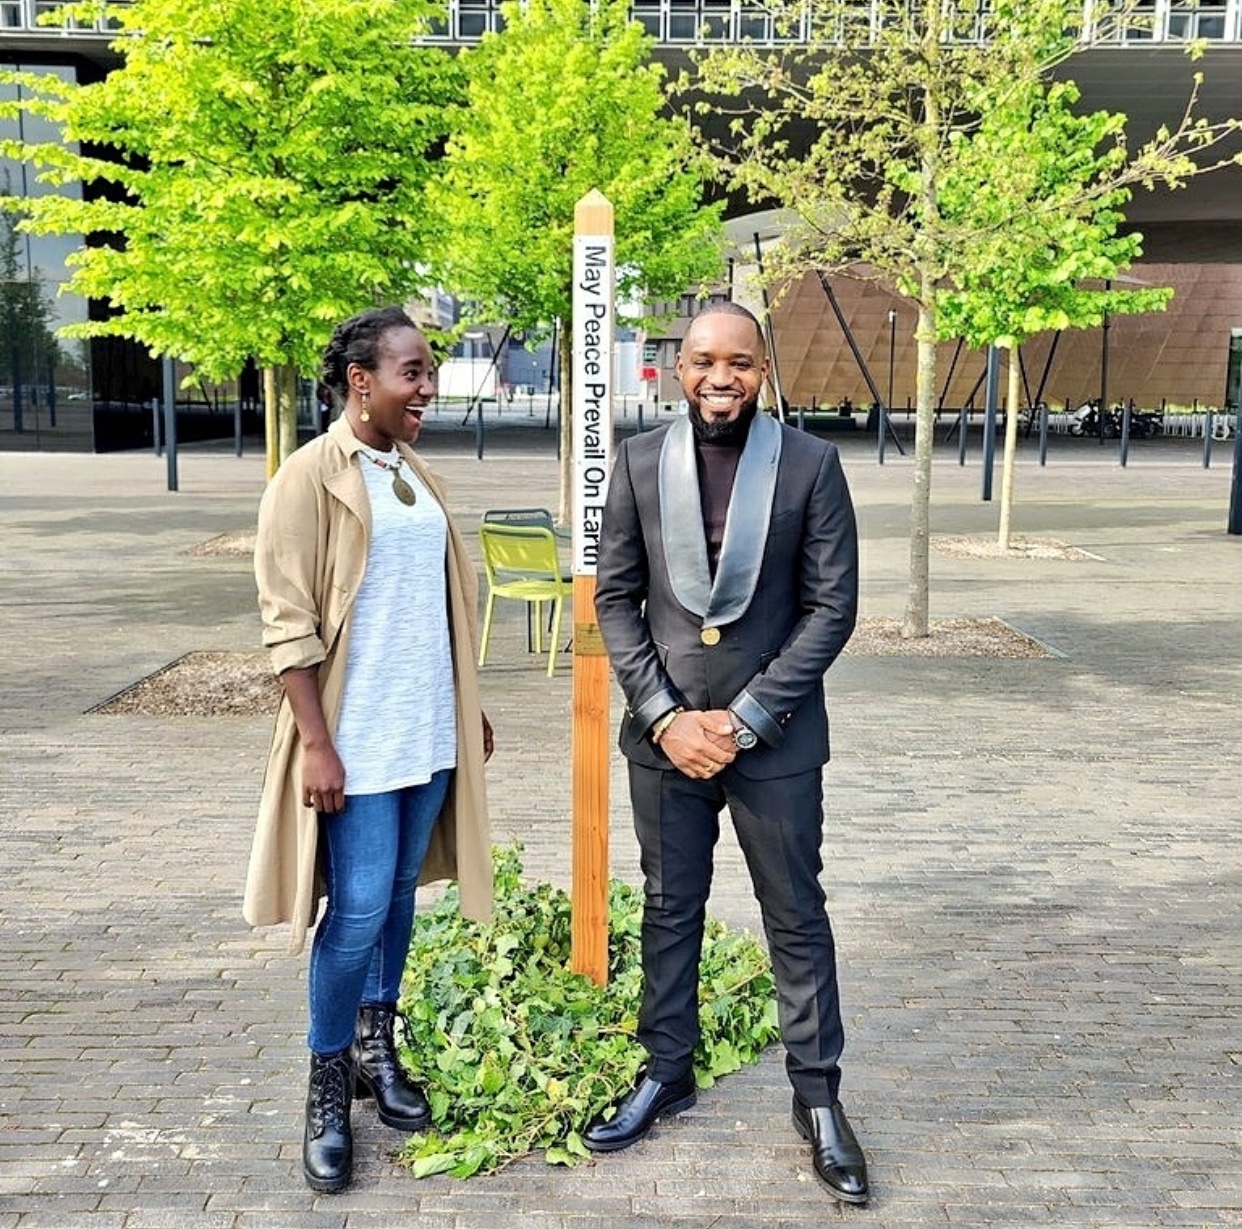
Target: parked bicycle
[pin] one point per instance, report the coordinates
(1144, 424)
(1086, 421)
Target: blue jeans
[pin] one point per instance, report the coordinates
(372, 851)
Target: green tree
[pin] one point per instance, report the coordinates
(886, 183)
(563, 100)
(1050, 266)
(261, 171)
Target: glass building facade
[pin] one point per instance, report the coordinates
(45, 380)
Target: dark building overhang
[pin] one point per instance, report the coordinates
(1149, 83)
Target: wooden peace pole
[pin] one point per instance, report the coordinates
(591, 334)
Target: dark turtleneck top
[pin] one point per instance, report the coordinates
(717, 466)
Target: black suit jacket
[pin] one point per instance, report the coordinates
(769, 662)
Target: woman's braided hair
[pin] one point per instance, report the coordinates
(357, 340)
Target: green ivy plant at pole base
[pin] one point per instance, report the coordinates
(518, 1054)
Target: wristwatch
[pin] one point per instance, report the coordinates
(744, 738)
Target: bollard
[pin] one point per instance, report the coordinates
(1234, 524)
(170, 420)
(991, 397)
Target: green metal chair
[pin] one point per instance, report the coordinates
(522, 563)
(530, 516)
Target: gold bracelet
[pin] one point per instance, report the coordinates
(658, 730)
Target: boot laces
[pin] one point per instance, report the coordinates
(329, 1084)
(378, 1051)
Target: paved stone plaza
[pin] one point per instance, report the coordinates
(1033, 871)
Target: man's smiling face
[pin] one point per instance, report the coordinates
(722, 365)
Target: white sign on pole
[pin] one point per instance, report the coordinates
(592, 367)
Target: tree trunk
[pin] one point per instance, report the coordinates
(280, 415)
(565, 429)
(271, 439)
(287, 401)
(1011, 450)
(916, 622)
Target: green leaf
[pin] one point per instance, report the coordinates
(472, 1160)
(425, 1167)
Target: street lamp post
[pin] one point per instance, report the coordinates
(892, 346)
(882, 417)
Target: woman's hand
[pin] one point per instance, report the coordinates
(323, 779)
(489, 739)
(323, 774)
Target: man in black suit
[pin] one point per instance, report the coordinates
(727, 584)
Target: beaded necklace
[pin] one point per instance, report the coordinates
(400, 488)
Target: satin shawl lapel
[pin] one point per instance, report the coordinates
(746, 525)
(681, 519)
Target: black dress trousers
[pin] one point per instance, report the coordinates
(779, 824)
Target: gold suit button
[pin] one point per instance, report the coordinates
(710, 635)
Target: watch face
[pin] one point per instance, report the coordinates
(745, 739)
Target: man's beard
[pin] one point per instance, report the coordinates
(731, 431)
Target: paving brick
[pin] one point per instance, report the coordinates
(1029, 869)
(176, 1218)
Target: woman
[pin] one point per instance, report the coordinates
(375, 776)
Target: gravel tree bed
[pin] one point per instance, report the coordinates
(218, 684)
(1019, 548)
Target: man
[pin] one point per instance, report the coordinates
(727, 584)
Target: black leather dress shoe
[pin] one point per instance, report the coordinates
(638, 1111)
(839, 1162)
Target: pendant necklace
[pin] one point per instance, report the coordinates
(400, 488)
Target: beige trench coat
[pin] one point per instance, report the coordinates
(310, 555)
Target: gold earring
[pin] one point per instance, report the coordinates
(366, 407)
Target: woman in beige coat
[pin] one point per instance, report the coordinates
(375, 776)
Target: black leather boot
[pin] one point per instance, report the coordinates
(399, 1101)
(328, 1144)
(838, 1160)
